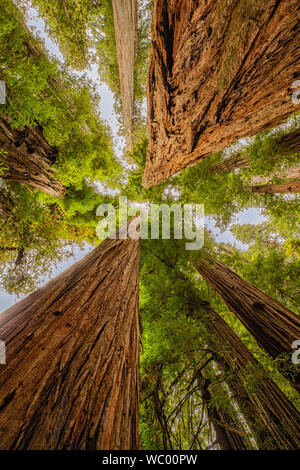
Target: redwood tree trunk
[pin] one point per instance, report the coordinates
(28, 158)
(272, 418)
(219, 71)
(281, 188)
(71, 378)
(273, 326)
(229, 432)
(291, 142)
(125, 23)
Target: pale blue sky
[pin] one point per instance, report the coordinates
(107, 113)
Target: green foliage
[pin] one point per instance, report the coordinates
(34, 238)
(268, 152)
(134, 189)
(174, 344)
(222, 194)
(38, 231)
(40, 91)
(68, 22)
(225, 193)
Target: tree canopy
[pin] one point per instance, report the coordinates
(188, 382)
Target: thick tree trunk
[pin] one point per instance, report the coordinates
(271, 417)
(219, 71)
(280, 188)
(229, 431)
(28, 158)
(71, 378)
(289, 143)
(125, 23)
(273, 326)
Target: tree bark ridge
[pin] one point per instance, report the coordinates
(71, 378)
(218, 72)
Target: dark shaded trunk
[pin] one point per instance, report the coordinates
(290, 143)
(71, 378)
(280, 188)
(271, 417)
(28, 158)
(229, 431)
(219, 71)
(273, 326)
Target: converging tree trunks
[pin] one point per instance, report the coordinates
(273, 326)
(273, 419)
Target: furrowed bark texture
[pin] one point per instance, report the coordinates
(125, 22)
(272, 325)
(28, 158)
(271, 417)
(71, 378)
(229, 431)
(219, 71)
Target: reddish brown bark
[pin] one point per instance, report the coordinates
(272, 325)
(28, 158)
(280, 188)
(125, 23)
(271, 417)
(71, 378)
(218, 72)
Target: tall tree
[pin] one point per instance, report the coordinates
(50, 132)
(273, 326)
(272, 418)
(125, 23)
(218, 72)
(71, 378)
(230, 434)
(286, 187)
